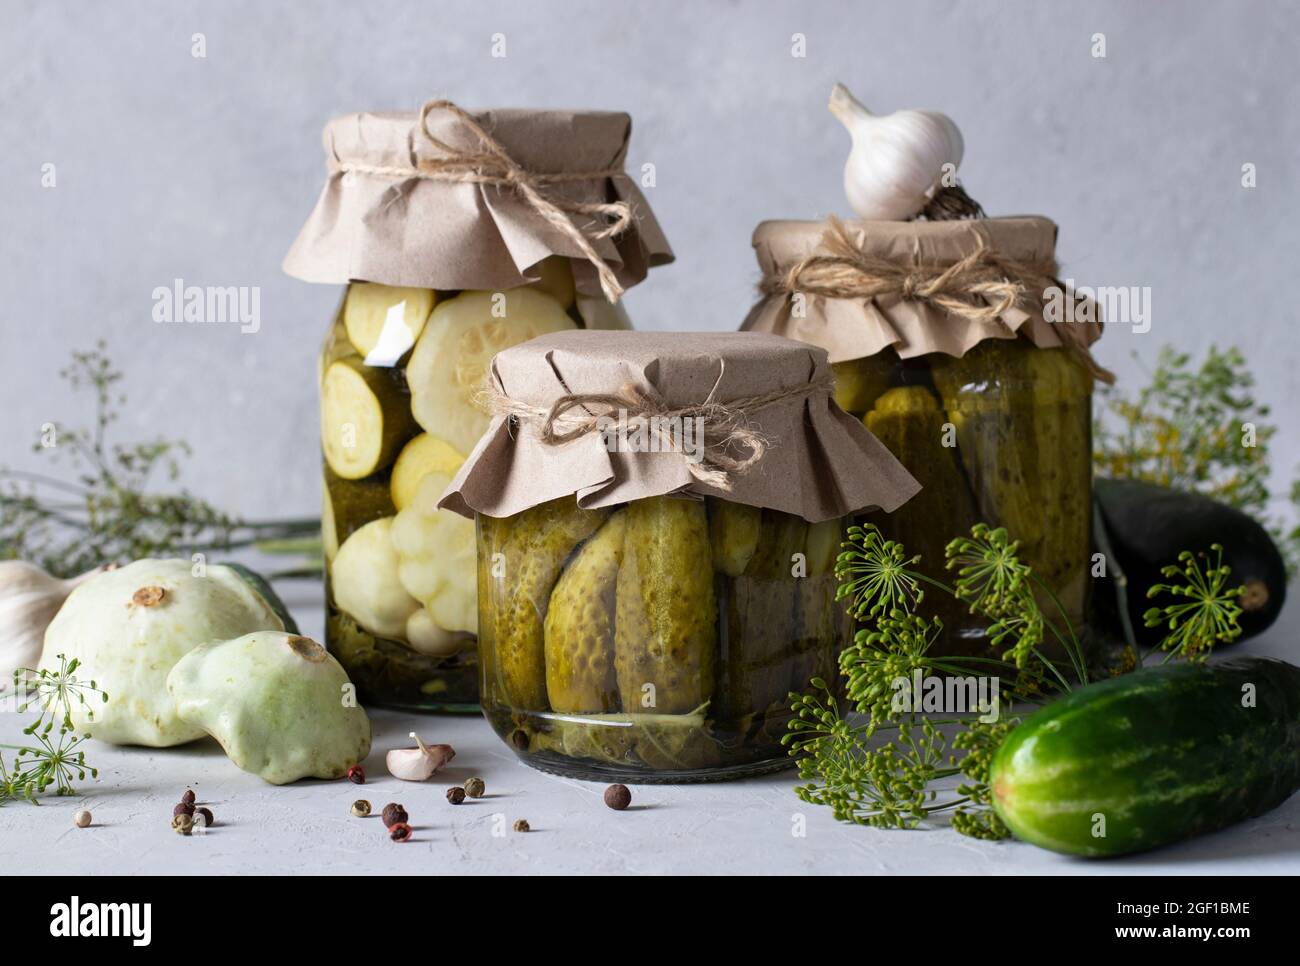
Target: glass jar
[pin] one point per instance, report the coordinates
(1001, 435)
(946, 351)
(657, 640)
(458, 234)
(399, 375)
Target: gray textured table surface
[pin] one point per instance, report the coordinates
(736, 827)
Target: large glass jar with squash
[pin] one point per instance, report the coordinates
(651, 627)
(433, 294)
(989, 410)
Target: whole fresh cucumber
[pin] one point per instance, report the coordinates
(1152, 757)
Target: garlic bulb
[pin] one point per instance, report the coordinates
(897, 160)
(29, 599)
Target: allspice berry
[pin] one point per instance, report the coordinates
(393, 814)
(188, 797)
(475, 788)
(81, 819)
(361, 808)
(455, 794)
(618, 797)
(521, 825)
(184, 808)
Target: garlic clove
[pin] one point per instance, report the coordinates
(420, 763)
(29, 599)
(898, 160)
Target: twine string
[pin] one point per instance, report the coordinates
(980, 286)
(730, 444)
(491, 164)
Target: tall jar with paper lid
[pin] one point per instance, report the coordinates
(944, 343)
(457, 235)
(659, 516)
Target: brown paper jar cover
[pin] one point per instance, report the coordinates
(425, 233)
(820, 463)
(859, 328)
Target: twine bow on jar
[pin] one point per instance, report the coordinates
(980, 286)
(491, 164)
(729, 444)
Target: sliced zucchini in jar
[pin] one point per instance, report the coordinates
(383, 321)
(450, 362)
(365, 584)
(365, 418)
(436, 557)
(421, 456)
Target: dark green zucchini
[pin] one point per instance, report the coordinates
(1152, 757)
(263, 587)
(1147, 526)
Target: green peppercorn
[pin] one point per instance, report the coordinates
(361, 808)
(475, 788)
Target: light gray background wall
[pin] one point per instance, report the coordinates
(170, 167)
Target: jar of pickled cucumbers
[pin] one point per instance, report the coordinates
(658, 517)
(446, 260)
(941, 345)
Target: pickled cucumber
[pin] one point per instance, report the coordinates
(539, 541)
(556, 280)
(734, 529)
(821, 620)
(1023, 431)
(761, 610)
(909, 421)
(365, 417)
(1062, 392)
(579, 626)
(988, 399)
(860, 382)
(666, 619)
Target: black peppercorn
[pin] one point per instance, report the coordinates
(455, 794)
(618, 797)
(521, 825)
(206, 815)
(519, 738)
(394, 814)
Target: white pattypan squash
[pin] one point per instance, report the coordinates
(278, 703)
(129, 627)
